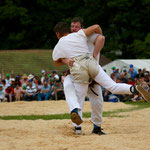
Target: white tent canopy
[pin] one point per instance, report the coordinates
(123, 64)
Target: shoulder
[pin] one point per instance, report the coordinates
(81, 32)
(92, 37)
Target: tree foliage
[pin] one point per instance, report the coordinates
(125, 24)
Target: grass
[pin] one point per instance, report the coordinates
(27, 61)
(114, 113)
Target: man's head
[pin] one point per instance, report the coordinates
(7, 75)
(30, 83)
(61, 29)
(1, 87)
(76, 24)
(54, 72)
(45, 83)
(46, 76)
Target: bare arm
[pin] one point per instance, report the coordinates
(99, 43)
(64, 61)
(92, 29)
(58, 63)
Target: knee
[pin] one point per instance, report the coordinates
(68, 86)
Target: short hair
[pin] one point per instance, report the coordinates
(78, 19)
(61, 27)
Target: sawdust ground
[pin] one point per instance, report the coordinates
(126, 133)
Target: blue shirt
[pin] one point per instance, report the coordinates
(46, 88)
(133, 75)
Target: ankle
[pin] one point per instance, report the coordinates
(75, 110)
(95, 126)
(133, 90)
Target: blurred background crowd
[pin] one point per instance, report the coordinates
(49, 85)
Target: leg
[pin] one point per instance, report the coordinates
(33, 97)
(119, 88)
(26, 97)
(10, 98)
(96, 104)
(81, 92)
(39, 96)
(70, 93)
(97, 108)
(47, 96)
(116, 88)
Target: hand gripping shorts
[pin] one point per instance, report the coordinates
(84, 69)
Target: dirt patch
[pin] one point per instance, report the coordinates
(127, 133)
(49, 107)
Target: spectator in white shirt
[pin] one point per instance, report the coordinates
(30, 93)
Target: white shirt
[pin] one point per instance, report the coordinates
(56, 76)
(90, 42)
(31, 90)
(2, 94)
(74, 44)
(8, 81)
(70, 46)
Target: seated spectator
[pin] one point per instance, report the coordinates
(31, 78)
(113, 98)
(105, 93)
(24, 82)
(42, 77)
(122, 78)
(17, 80)
(143, 83)
(1, 79)
(136, 98)
(46, 78)
(130, 81)
(63, 76)
(4, 84)
(58, 93)
(140, 73)
(51, 83)
(55, 75)
(2, 94)
(36, 79)
(144, 70)
(113, 68)
(8, 80)
(138, 82)
(39, 86)
(113, 76)
(18, 92)
(45, 92)
(9, 92)
(126, 74)
(147, 76)
(30, 92)
(43, 72)
(133, 72)
(12, 82)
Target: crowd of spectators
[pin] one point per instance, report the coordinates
(130, 76)
(49, 86)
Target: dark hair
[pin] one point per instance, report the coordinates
(3, 81)
(139, 69)
(78, 19)
(61, 27)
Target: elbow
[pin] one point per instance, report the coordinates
(97, 27)
(101, 38)
(55, 64)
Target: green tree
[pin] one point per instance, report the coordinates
(29, 24)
